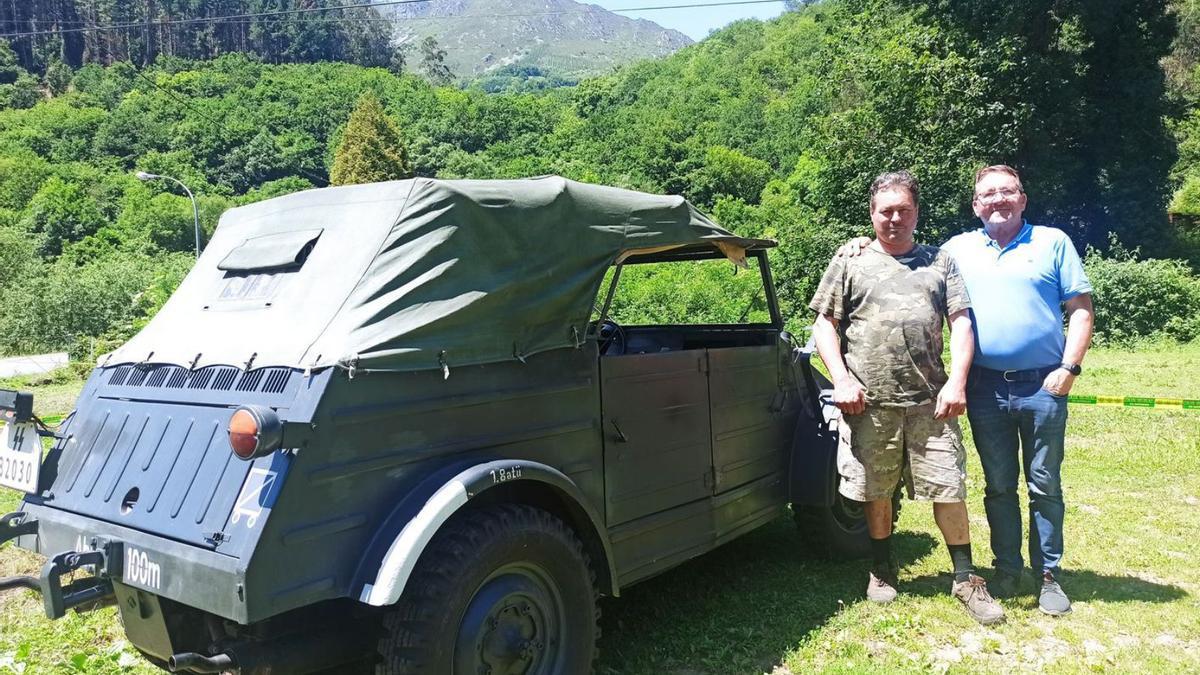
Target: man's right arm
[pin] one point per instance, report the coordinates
(848, 394)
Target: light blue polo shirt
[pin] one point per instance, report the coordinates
(1017, 294)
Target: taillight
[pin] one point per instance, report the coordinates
(254, 431)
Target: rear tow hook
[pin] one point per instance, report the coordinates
(13, 525)
(96, 590)
(93, 591)
(18, 524)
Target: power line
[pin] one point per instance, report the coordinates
(211, 19)
(244, 17)
(729, 3)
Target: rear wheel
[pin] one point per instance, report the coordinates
(502, 590)
(838, 530)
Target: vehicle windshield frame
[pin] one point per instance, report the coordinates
(688, 253)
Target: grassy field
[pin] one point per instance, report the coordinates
(763, 605)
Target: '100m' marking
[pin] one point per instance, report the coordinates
(140, 570)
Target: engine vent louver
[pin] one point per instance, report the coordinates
(277, 381)
(216, 378)
(224, 379)
(250, 381)
(200, 379)
(157, 377)
(179, 377)
(137, 377)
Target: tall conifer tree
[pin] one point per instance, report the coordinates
(371, 149)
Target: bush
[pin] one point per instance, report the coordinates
(61, 212)
(109, 296)
(727, 172)
(708, 291)
(18, 257)
(1186, 201)
(1137, 299)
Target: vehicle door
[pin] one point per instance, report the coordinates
(691, 385)
(752, 401)
(658, 451)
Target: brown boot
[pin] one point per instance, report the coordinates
(881, 587)
(973, 594)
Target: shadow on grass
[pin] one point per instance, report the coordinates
(1081, 585)
(738, 609)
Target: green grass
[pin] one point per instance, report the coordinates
(763, 605)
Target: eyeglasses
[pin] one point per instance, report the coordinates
(996, 195)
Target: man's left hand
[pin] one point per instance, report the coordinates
(1059, 382)
(951, 402)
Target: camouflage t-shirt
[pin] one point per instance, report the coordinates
(890, 311)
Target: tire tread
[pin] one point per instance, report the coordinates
(404, 646)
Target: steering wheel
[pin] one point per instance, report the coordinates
(611, 337)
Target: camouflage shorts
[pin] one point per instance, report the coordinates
(883, 446)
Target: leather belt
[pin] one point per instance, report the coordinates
(1029, 375)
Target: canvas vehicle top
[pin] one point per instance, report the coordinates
(401, 276)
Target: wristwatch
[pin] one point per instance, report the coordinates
(1072, 368)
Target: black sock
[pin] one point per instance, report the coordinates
(881, 553)
(960, 555)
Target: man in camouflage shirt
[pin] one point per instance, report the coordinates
(879, 332)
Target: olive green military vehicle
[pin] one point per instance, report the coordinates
(407, 427)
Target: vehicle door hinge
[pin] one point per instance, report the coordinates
(712, 478)
(703, 363)
(216, 538)
(779, 403)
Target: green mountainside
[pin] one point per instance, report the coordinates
(775, 128)
(563, 37)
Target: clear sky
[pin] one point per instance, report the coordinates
(694, 21)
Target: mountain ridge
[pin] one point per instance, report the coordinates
(568, 38)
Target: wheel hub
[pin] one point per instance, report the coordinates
(512, 640)
(511, 627)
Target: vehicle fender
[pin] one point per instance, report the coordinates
(395, 568)
(812, 475)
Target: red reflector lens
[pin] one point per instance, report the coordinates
(243, 434)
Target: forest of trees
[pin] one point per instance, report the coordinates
(776, 128)
(52, 32)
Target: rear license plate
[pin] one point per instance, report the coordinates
(20, 457)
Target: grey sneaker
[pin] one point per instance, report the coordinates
(1053, 600)
(973, 594)
(1005, 584)
(881, 587)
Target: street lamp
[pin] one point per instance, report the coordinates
(143, 176)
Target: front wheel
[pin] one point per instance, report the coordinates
(501, 590)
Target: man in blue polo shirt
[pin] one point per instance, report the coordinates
(1021, 278)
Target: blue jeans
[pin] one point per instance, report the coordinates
(1006, 416)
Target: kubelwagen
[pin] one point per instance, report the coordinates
(400, 425)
